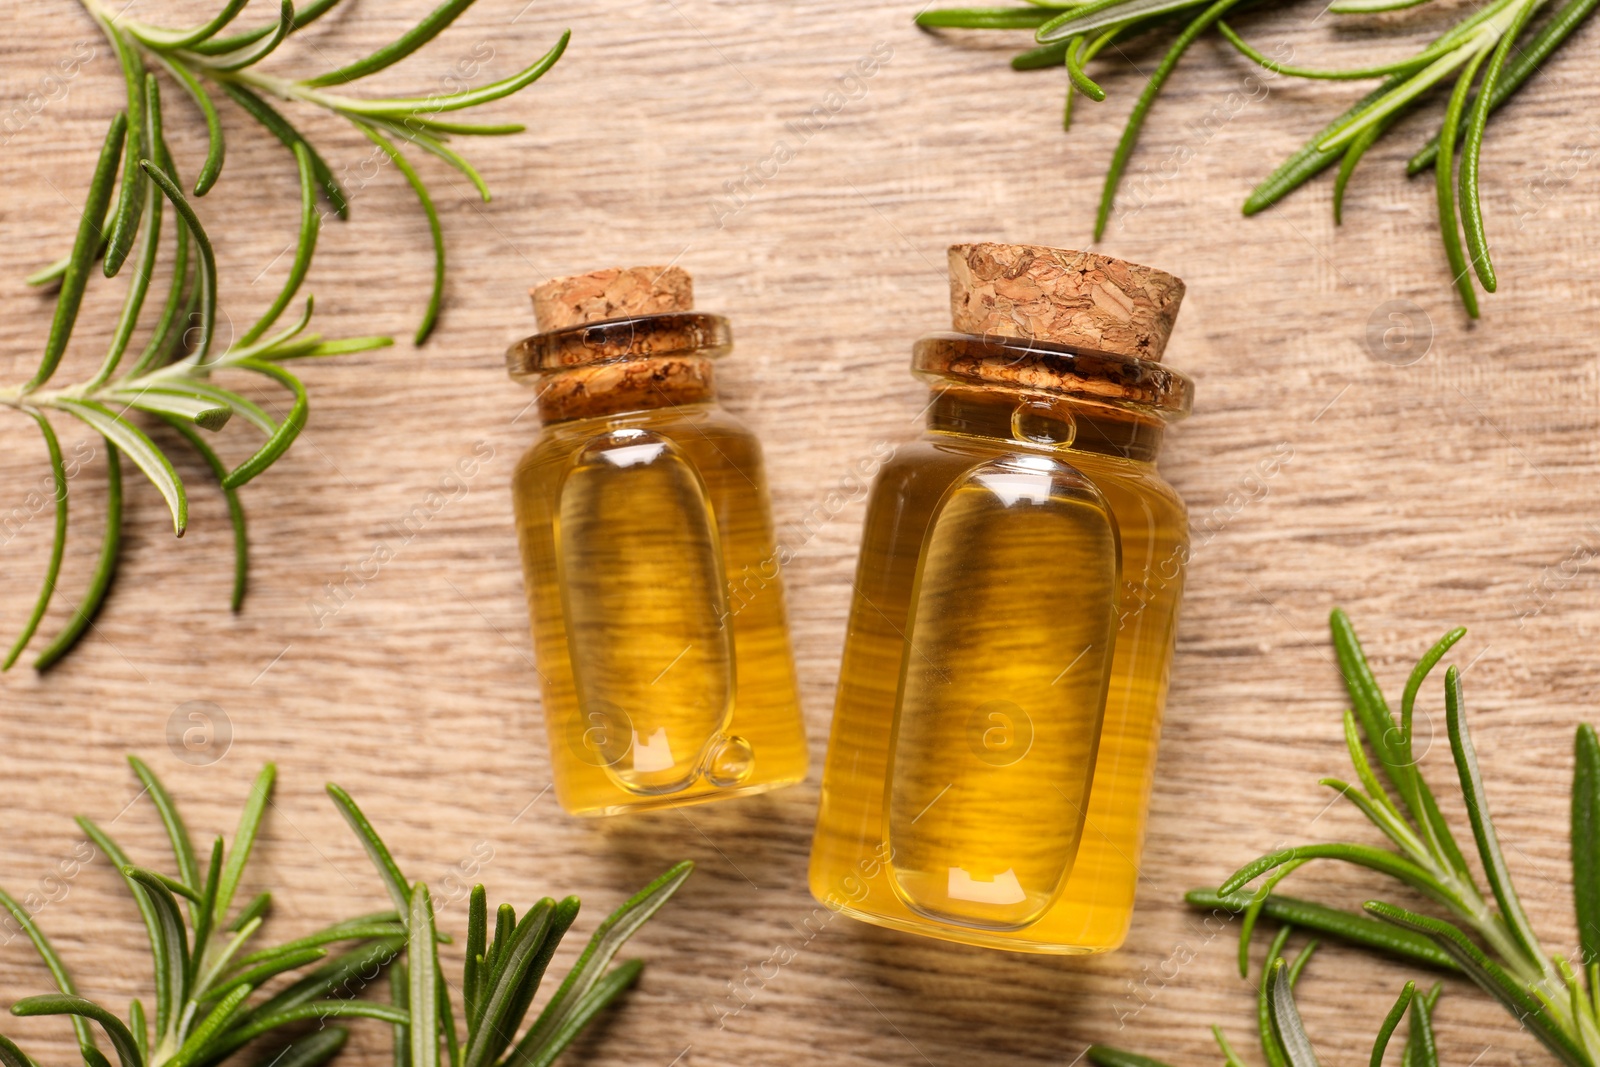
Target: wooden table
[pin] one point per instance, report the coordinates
(1418, 496)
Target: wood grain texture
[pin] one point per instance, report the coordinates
(1418, 496)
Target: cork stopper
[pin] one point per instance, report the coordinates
(613, 293)
(620, 339)
(1061, 296)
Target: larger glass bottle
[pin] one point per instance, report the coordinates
(1015, 607)
(649, 555)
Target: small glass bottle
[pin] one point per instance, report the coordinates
(638, 508)
(1015, 606)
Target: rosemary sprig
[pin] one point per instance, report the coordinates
(173, 378)
(202, 985)
(502, 974)
(1283, 1037)
(202, 1011)
(1492, 41)
(1485, 935)
(202, 56)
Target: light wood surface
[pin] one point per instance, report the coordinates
(1418, 496)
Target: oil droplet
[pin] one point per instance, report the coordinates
(730, 762)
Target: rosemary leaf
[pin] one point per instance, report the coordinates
(64, 1004)
(76, 276)
(104, 569)
(145, 455)
(1147, 99)
(211, 169)
(58, 544)
(236, 518)
(1586, 842)
(1390, 1022)
(130, 198)
(283, 436)
(305, 247)
(425, 31)
(431, 315)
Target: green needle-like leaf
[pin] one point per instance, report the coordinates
(472, 967)
(12, 1056)
(399, 997)
(236, 517)
(279, 127)
(87, 243)
(174, 935)
(130, 199)
(500, 1021)
(283, 436)
(359, 966)
(304, 17)
(1419, 674)
(425, 31)
(1147, 99)
(244, 1033)
(433, 145)
(1099, 14)
(389, 871)
(1477, 804)
(1253, 912)
(597, 955)
(1471, 205)
(248, 57)
(422, 961)
(1449, 230)
(985, 18)
(211, 169)
(105, 567)
(1311, 159)
(173, 40)
(1350, 927)
(203, 413)
(244, 837)
(146, 456)
(1360, 855)
(63, 1004)
(58, 969)
(1390, 1021)
(1420, 1048)
(197, 1045)
(208, 262)
(404, 167)
(1286, 1022)
(405, 107)
(1586, 842)
(171, 820)
(606, 990)
(255, 977)
(305, 247)
(147, 247)
(58, 544)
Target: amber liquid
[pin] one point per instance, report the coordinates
(657, 608)
(974, 789)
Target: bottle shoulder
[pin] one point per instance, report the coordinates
(936, 457)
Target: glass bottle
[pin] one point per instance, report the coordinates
(1015, 606)
(649, 555)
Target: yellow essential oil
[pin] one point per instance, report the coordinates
(1015, 607)
(640, 498)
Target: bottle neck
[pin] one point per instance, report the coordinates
(1038, 420)
(638, 384)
